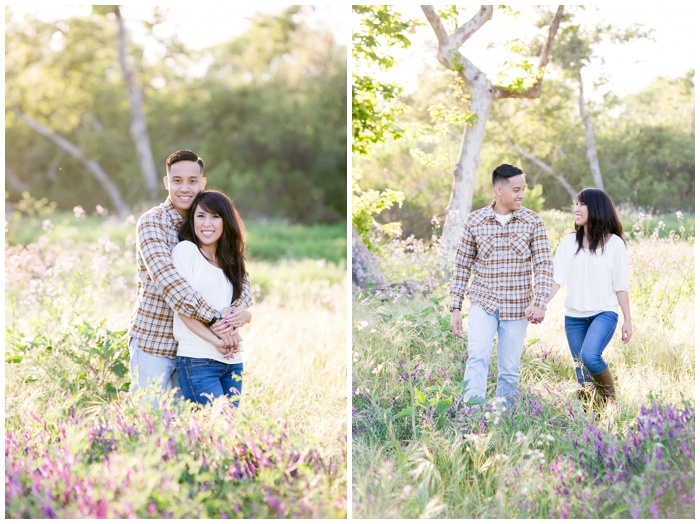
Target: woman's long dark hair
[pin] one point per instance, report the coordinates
(230, 250)
(602, 219)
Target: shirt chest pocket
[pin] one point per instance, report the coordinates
(485, 246)
(520, 244)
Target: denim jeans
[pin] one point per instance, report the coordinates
(205, 376)
(147, 369)
(511, 336)
(588, 337)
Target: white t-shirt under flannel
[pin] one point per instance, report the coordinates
(592, 279)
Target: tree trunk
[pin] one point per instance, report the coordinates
(365, 270)
(92, 166)
(560, 178)
(464, 174)
(483, 93)
(591, 149)
(139, 130)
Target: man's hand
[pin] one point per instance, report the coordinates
(235, 345)
(229, 345)
(456, 323)
(534, 314)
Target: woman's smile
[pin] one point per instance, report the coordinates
(207, 226)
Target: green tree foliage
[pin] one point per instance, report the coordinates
(268, 116)
(368, 203)
(645, 143)
(374, 103)
(375, 108)
(650, 153)
(275, 116)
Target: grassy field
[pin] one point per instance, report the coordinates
(78, 445)
(417, 452)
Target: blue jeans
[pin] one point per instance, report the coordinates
(205, 376)
(511, 336)
(147, 369)
(588, 337)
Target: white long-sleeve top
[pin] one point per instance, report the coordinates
(592, 279)
(211, 282)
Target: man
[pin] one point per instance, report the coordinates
(161, 289)
(503, 244)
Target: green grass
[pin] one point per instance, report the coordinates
(279, 240)
(272, 241)
(419, 452)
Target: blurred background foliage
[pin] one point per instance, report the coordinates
(646, 147)
(265, 109)
(645, 137)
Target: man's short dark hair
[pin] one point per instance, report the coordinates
(503, 172)
(184, 154)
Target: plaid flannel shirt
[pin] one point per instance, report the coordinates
(161, 289)
(503, 259)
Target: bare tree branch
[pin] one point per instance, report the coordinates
(545, 167)
(463, 33)
(535, 90)
(448, 46)
(436, 23)
(92, 166)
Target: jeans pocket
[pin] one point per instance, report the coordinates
(193, 363)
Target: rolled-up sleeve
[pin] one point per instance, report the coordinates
(246, 298)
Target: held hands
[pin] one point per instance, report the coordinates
(626, 331)
(456, 323)
(229, 345)
(534, 314)
(226, 330)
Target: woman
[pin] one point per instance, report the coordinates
(211, 256)
(592, 262)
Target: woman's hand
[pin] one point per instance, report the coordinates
(626, 331)
(238, 317)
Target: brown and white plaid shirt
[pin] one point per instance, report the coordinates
(503, 259)
(161, 289)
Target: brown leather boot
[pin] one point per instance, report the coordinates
(605, 385)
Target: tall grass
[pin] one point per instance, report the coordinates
(79, 445)
(418, 451)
